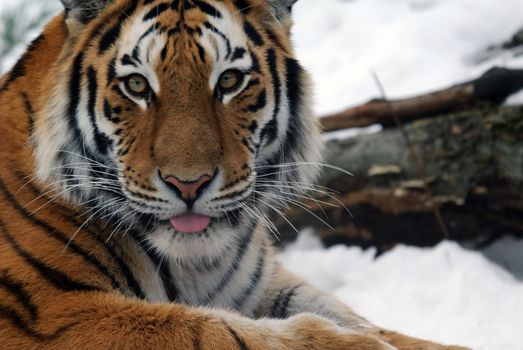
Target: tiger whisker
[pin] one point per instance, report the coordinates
(106, 205)
(280, 213)
(304, 207)
(321, 165)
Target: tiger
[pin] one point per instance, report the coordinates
(143, 145)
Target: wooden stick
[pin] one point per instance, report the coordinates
(493, 86)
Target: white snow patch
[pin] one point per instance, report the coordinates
(29, 18)
(516, 99)
(414, 46)
(447, 294)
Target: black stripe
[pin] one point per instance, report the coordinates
(132, 283)
(30, 112)
(207, 8)
(109, 38)
(251, 84)
(128, 61)
(165, 49)
(235, 193)
(270, 130)
(253, 34)
(17, 289)
(136, 49)
(247, 144)
(239, 341)
(52, 232)
(111, 71)
(19, 69)
(273, 38)
(261, 102)
(295, 94)
(59, 279)
(110, 114)
(156, 11)
(253, 127)
(9, 313)
(285, 303)
(243, 6)
(240, 253)
(165, 273)
(161, 266)
(175, 5)
(103, 143)
(221, 35)
(253, 281)
(276, 304)
(75, 85)
(238, 54)
(196, 333)
(255, 63)
(201, 52)
(187, 5)
(281, 303)
(126, 271)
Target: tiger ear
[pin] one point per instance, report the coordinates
(83, 11)
(282, 10)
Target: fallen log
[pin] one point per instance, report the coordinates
(494, 86)
(474, 163)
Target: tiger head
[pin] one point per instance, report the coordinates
(184, 120)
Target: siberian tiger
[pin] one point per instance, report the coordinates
(142, 143)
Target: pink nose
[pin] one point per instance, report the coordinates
(188, 190)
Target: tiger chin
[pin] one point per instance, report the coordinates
(143, 144)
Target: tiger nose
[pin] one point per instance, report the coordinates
(188, 191)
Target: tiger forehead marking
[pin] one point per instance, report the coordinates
(183, 52)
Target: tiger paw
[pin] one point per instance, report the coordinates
(403, 342)
(306, 332)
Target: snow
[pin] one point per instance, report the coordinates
(29, 17)
(414, 46)
(516, 99)
(447, 294)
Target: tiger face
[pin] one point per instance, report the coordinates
(182, 120)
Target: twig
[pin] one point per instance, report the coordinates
(492, 87)
(414, 156)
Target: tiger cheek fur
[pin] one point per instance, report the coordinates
(143, 142)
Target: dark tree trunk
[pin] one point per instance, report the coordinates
(474, 161)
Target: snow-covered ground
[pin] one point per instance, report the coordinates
(447, 293)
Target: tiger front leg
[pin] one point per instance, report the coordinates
(287, 296)
(103, 321)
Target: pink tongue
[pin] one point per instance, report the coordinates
(190, 222)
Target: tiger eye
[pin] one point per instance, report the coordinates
(137, 84)
(230, 79)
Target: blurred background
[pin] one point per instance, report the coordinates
(422, 102)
